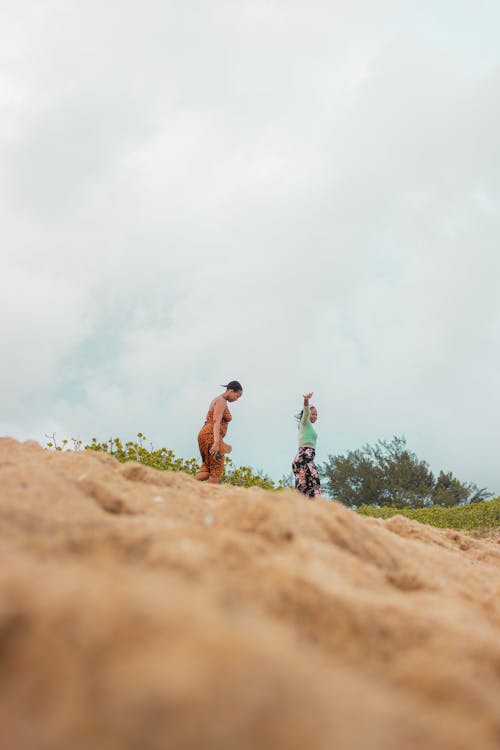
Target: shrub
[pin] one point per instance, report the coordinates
(164, 459)
(480, 516)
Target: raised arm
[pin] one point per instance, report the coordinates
(306, 412)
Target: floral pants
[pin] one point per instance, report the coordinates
(306, 473)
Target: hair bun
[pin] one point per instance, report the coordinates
(234, 385)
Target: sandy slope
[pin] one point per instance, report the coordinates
(143, 610)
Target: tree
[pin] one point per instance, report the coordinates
(353, 479)
(448, 491)
(388, 474)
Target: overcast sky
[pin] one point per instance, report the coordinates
(298, 195)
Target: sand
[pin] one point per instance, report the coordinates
(141, 609)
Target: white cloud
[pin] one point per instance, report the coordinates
(295, 196)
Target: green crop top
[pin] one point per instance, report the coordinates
(307, 433)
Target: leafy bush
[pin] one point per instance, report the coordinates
(164, 459)
(475, 517)
(244, 476)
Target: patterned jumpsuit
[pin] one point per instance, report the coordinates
(215, 466)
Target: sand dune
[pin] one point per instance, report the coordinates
(141, 610)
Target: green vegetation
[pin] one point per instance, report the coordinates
(387, 474)
(376, 475)
(482, 516)
(165, 460)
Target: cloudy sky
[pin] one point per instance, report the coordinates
(301, 195)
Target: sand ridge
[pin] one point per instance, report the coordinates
(141, 609)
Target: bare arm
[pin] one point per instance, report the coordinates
(306, 412)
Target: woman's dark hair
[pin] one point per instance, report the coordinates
(298, 417)
(233, 385)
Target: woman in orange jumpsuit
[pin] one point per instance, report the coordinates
(212, 434)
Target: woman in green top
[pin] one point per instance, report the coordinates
(304, 468)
